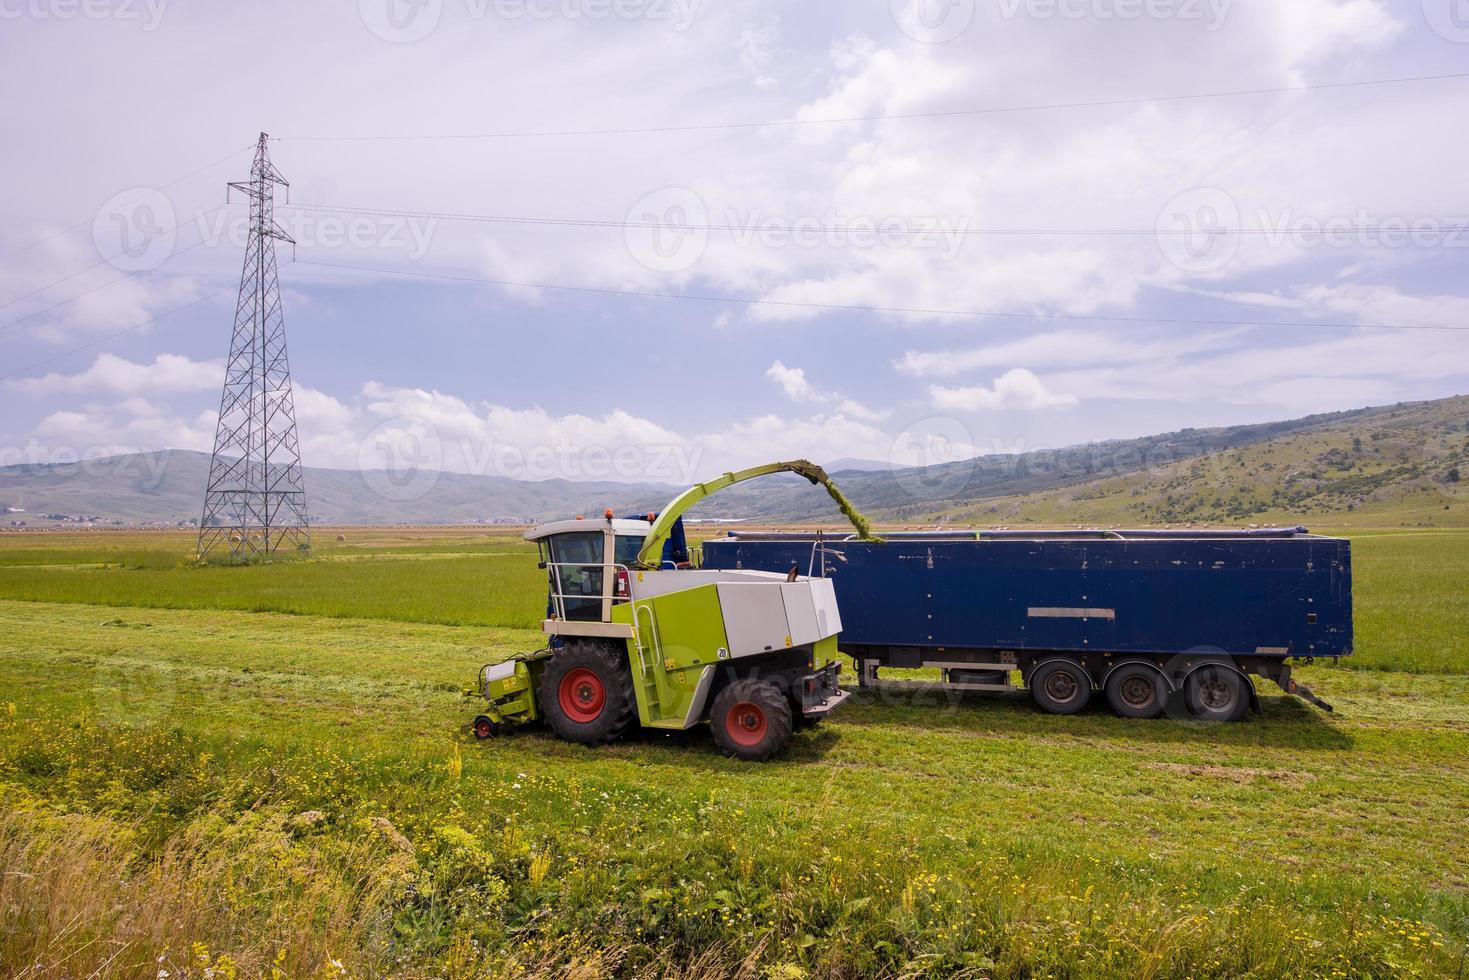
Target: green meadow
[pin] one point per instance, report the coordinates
(266, 771)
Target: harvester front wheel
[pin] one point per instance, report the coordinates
(751, 720)
(586, 693)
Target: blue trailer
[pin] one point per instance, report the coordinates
(1152, 620)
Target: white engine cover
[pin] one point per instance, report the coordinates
(763, 616)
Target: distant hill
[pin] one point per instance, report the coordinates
(1399, 464)
(1406, 465)
(1306, 466)
(168, 487)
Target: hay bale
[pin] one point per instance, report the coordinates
(341, 537)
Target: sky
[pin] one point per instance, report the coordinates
(658, 239)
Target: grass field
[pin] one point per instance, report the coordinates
(266, 772)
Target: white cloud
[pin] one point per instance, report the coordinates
(1060, 348)
(1308, 373)
(129, 426)
(114, 375)
(386, 424)
(792, 380)
(1016, 388)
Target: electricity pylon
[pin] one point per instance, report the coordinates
(255, 501)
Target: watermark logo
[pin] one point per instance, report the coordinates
(944, 234)
(1201, 229)
(133, 694)
(411, 235)
(401, 458)
(407, 21)
(401, 21)
(932, 21)
(933, 457)
(667, 230)
(1211, 14)
(136, 229)
(148, 14)
(1448, 18)
(1198, 229)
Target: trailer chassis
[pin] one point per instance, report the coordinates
(993, 671)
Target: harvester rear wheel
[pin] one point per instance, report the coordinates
(751, 720)
(586, 693)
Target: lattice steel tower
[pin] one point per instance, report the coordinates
(256, 498)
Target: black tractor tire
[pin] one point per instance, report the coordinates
(1062, 687)
(586, 693)
(1137, 691)
(1216, 693)
(751, 720)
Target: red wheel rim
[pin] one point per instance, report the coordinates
(746, 723)
(581, 695)
(483, 728)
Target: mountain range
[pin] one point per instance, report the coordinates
(1361, 462)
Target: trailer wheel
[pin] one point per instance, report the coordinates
(586, 693)
(1062, 687)
(751, 720)
(1216, 693)
(483, 727)
(1137, 691)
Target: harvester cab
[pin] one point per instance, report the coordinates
(637, 635)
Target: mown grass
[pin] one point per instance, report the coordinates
(224, 791)
(479, 578)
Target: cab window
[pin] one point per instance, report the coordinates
(576, 560)
(627, 549)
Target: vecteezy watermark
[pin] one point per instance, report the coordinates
(1196, 229)
(1362, 230)
(1210, 14)
(403, 458)
(410, 234)
(148, 14)
(1448, 18)
(133, 693)
(136, 229)
(669, 230)
(1200, 230)
(933, 457)
(406, 21)
(140, 467)
(932, 21)
(139, 229)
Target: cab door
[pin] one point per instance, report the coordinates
(575, 572)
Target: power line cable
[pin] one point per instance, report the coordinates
(100, 285)
(113, 336)
(880, 117)
(108, 258)
(755, 228)
(745, 301)
(132, 200)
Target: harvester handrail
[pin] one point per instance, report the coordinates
(559, 596)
